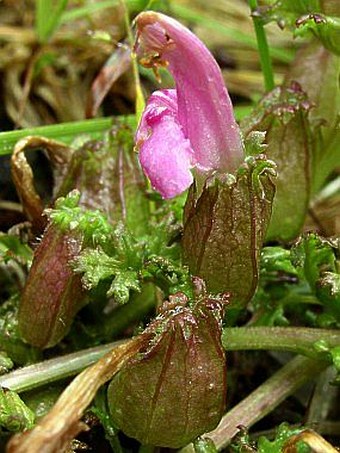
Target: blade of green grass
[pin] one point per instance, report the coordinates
(140, 101)
(65, 132)
(263, 48)
(48, 18)
(41, 13)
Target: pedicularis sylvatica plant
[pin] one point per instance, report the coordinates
(201, 242)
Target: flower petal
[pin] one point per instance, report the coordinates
(165, 154)
(205, 111)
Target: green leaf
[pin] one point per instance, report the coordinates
(204, 445)
(283, 434)
(326, 28)
(14, 414)
(68, 217)
(174, 391)
(312, 256)
(336, 357)
(6, 363)
(328, 291)
(224, 227)
(95, 265)
(122, 284)
(10, 339)
(168, 275)
(12, 248)
(276, 260)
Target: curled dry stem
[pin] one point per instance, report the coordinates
(54, 432)
(317, 443)
(23, 177)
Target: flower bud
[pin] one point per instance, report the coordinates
(224, 226)
(53, 293)
(174, 391)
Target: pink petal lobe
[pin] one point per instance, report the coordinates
(165, 154)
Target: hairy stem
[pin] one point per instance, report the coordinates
(264, 399)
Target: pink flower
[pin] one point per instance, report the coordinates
(192, 126)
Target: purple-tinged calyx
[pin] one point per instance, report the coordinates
(192, 126)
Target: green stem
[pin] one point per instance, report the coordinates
(65, 132)
(263, 48)
(298, 340)
(52, 370)
(140, 102)
(266, 398)
(263, 400)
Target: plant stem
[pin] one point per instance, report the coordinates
(298, 340)
(302, 340)
(54, 431)
(263, 48)
(65, 132)
(140, 102)
(264, 399)
(42, 373)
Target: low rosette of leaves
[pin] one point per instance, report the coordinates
(174, 391)
(283, 116)
(225, 225)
